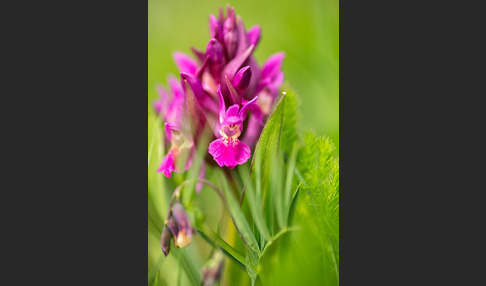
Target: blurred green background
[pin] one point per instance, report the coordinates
(306, 30)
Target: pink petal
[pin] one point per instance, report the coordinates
(167, 165)
(273, 65)
(254, 34)
(185, 63)
(214, 27)
(232, 110)
(229, 152)
(160, 104)
(244, 110)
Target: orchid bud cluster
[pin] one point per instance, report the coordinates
(222, 88)
(177, 228)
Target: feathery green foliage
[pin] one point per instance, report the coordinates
(321, 181)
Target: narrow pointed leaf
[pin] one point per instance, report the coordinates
(239, 219)
(215, 239)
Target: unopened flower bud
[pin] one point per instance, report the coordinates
(230, 34)
(214, 27)
(214, 51)
(242, 79)
(165, 240)
(184, 235)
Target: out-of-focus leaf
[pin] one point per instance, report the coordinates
(269, 141)
(153, 272)
(290, 124)
(156, 200)
(188, 266)
(320, 171)
(252, 265)
(254, 203)
(288, 183)
(214, 239)
(293, 204)
(239, 219)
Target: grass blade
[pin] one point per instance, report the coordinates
(214, 239)
(240, 222)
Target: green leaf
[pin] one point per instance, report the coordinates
(320, 171)
(293, 205)
(288, 182)
(156, 199)
(239, 220)
(254, 203)
(269, 141)
(187, 265)
(214, 239)
(152, 273)
(252, 265)
(290, 125)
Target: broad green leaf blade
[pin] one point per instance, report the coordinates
(269, 141)
(290, 125)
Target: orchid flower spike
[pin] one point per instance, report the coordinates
(226, 71)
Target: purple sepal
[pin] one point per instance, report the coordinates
(185, 63)
(254, 34)
(272, 66)
(200, 55)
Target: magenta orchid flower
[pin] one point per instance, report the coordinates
(228, 150)
(172, 109)
(226, 73)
